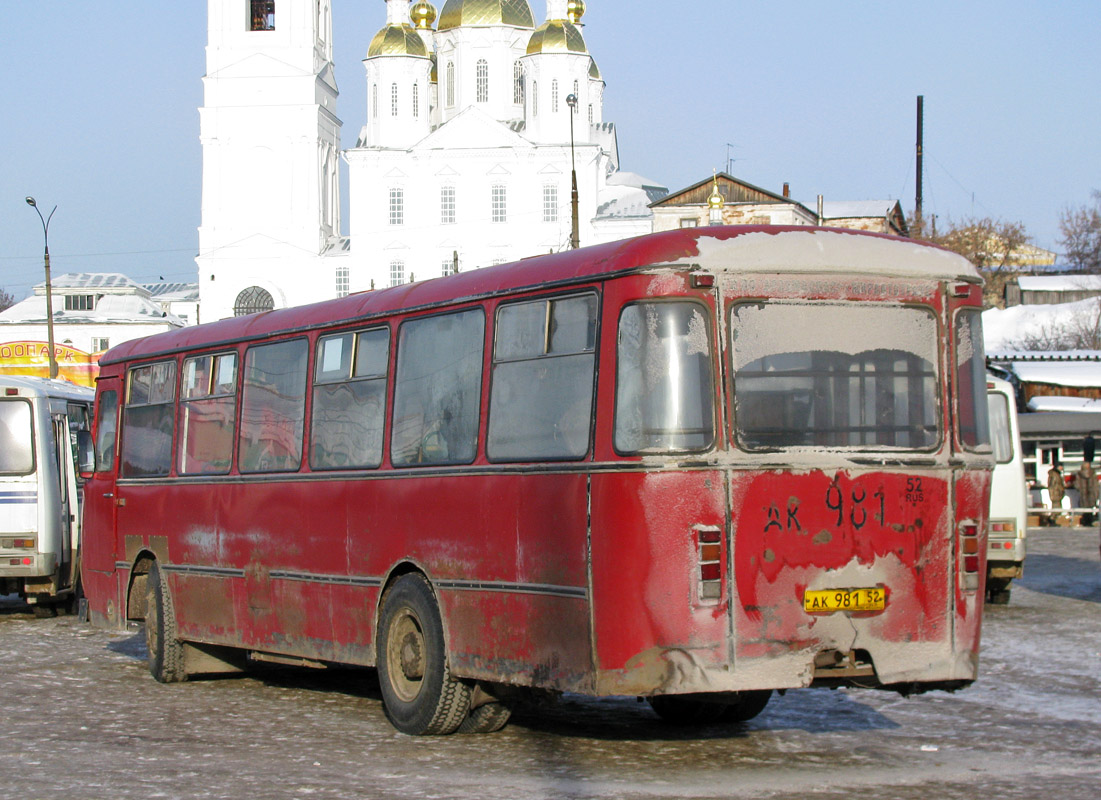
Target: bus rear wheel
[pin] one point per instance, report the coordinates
(418, 693)
(166, 654)
(486, 719)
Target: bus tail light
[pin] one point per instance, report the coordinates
(709, 549)
(969, 555)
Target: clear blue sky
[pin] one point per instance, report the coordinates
(100, 115)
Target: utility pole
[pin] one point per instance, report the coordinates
(918, 223)
(49, 294)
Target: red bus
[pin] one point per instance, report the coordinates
(695, 467)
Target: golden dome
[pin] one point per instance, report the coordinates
(575, 10)
(397, 40)
(594, 71)
(557, 36)
(423, 14)
(481, 13)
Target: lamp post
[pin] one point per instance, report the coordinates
(575, 238)
(49, 298)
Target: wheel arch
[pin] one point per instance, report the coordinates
(136, 595)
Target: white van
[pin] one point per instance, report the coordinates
(40, 498)
(1005, 555)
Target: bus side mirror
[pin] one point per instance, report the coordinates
(85, 454)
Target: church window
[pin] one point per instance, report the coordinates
(253, 300)
(374, 101)
(416, 102)
(342, 280)
(397, 272)
(535, 98)
(397, 207)
(483, 80)
(393, 99)
(450, 84)
(447, 267)
(590, 113)
(575, 89)
(554, 96)
(261, 15)
(447, 205)
(518, 83)
(550, 203)
(499, 204)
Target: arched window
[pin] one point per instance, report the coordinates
(518, 83)
(535, 98)
(416, 102)
(483, 80)
(393, 99)
(554, 96)
(576, 90)
(374, 101)
(253, 300)
(590, 113)
(450, 84)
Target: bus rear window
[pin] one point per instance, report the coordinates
(971, 403)
(834, 375)
(664, 381)
(16, 439)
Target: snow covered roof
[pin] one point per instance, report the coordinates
(1079, 374)
(99, 281)
(1059, 283)
(1007, 328)
(111, 308)
(1050, 403)
(654, 190)
(846, 209)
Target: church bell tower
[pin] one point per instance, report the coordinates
(270, 141)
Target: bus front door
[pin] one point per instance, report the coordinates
(100, 546)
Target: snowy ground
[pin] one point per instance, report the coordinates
(82, 719)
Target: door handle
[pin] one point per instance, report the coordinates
(108, 494)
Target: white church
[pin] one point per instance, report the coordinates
(475, 116)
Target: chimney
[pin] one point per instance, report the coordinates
(787, 191)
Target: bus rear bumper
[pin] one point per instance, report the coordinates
(14, 564)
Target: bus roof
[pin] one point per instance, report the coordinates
(727, 250)
(46, 387)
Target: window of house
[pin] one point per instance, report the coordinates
(544, 364)
(482, 75)
(261, 15)
(397, 207)
(397, 272)
(208, 399)
(101, 343)
(81, 302)
(343, 280)
(689, 222)
(437, 389)
(253, 300)
(550, 203)
(349, 400)
(446, 268)
(273, 404)
(147, 420)
(499, 208)
(518, 83)
(447, 205)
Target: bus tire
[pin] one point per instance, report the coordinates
(487, 718)
(166, 653)
(748, 705)
(419, 695)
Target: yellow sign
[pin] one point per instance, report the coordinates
(830, 600)
(33, 358)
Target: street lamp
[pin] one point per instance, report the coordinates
(575, 239)
(49, 297)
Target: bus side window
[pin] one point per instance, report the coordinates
(544, 364)
(349, 400)
(148, 421)
(208, 400)
(438, 388)
(273, 407)
(107, 414)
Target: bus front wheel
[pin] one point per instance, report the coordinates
(166, 655)
(418, 693)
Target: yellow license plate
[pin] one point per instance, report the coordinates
(829, 600)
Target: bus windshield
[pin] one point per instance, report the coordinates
(834, 375)
(16, 444)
